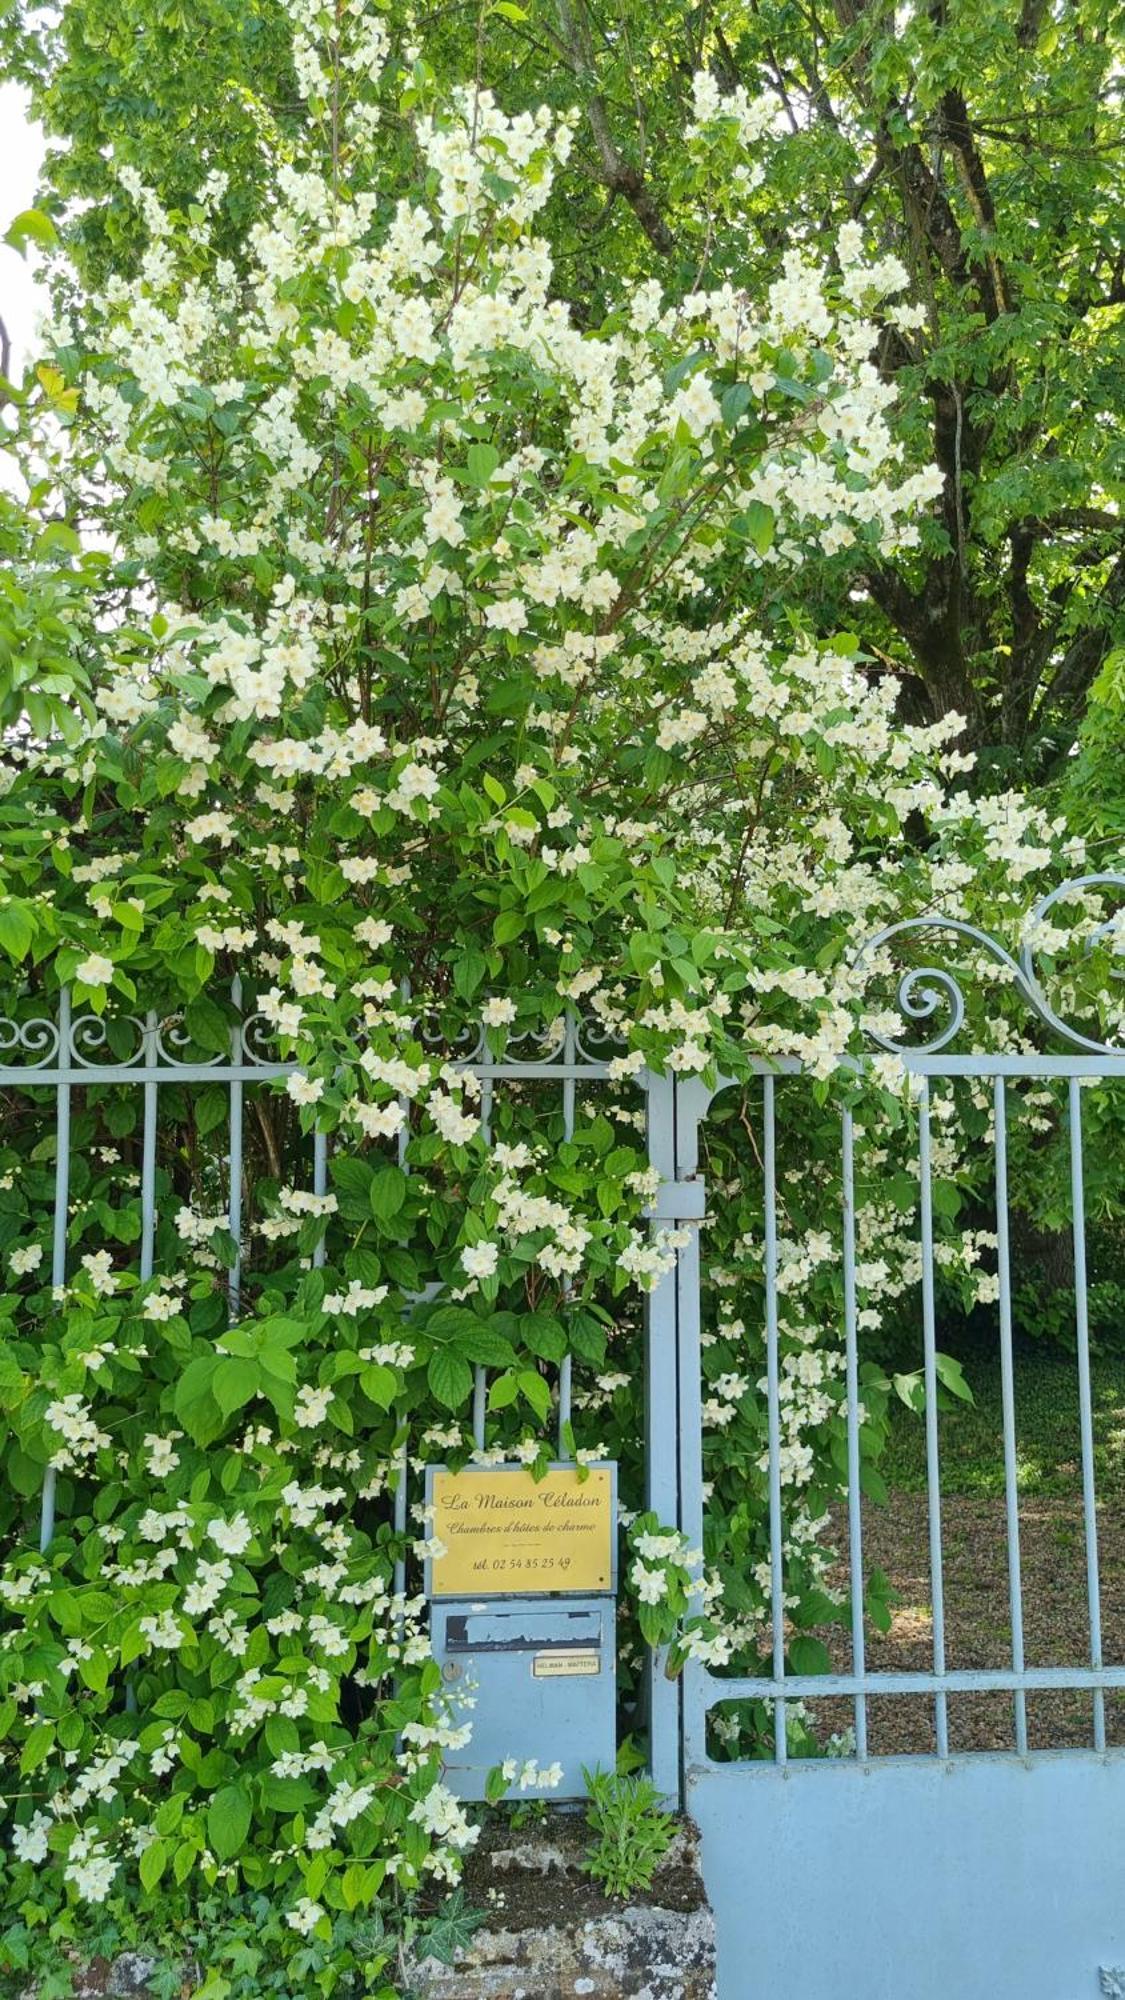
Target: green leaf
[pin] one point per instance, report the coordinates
(468, 971)
(483, 460)
(31, 226)
(951, 1375)
(508, 926)
(734, 402)
(387, 1193)
(153, 1862)
(207, 1025)
(193, 1402)
(39, 1744)
(809, 1656)
(450, 1378)
(17, 930)
(535, 1391)
(482, 1344)
(235, 1383)
(379, 1384)
(759, 525)
(946, 1197)
(228, 1821)
(502, 1392)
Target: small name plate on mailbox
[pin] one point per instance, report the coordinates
(505, 1533)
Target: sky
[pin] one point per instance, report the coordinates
(21, 150)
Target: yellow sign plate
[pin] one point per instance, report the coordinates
(565, 1665)
(504, 1532)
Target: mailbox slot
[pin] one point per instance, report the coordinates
(529, 1630)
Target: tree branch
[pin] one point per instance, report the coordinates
(617, 174)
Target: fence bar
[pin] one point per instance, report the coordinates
(320, 1186)
(569, 1097)
(399, 1578)
(855, 1522)
(58, 1243)
(1085, 1405)
(957, 1680)
(148, 1154)
(1008, 1407)
(773, 1394)
(666, 1445)
(234, 1210)
(933, 1470)
(480, 1392)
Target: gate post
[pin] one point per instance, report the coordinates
(673, 1432)
(662, 1480)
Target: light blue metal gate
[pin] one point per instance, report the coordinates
(975, 1876)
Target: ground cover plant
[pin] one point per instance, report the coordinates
(430, 660)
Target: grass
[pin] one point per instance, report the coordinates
(1048, 1443)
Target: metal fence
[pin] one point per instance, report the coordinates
(754, 1817)
(79, 1050)
(801, 1852)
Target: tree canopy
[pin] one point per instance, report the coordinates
(981, 143)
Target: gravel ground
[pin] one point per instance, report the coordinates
(978, 1625)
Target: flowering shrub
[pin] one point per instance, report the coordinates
(431, 686)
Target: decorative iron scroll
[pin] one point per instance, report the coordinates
(924, 991)
(91, 1042)
(583, 1039)
(37, 1040)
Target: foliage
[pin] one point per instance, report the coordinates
(451, 685)
(1048, 1442)
(633, 1834)
(979, 142)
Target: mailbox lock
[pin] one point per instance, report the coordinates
(451, 1671)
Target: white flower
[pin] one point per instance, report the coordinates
(161, 1306)
(90, 1867)
(498, 1013)
(29, 1843)
(480, 1259)
(311, 1407)
(210, 826)
(95, 970)
(304, 1916)
(26, 1259)
(231, 1536)
(161, 1458)
(651, 1585)
(303, 1089)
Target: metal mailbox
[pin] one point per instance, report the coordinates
(537, 1666)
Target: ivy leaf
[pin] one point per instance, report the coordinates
(228, 1820)
(450, 1378)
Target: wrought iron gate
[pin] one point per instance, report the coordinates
(986, 1876)
(975, 1876)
